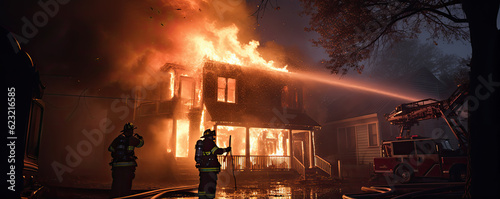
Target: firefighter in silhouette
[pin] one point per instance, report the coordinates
(123, 163)
(207, 163)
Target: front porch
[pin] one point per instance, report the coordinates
(278, 165)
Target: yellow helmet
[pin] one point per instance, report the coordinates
(128, 126)
(208, 132)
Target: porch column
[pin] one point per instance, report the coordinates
(247, 149)
(291, 147)
(313, 147)
(311, 158)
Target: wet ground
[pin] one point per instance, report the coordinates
(279, 190)
(250, 189)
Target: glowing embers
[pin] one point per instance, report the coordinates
(182, 138)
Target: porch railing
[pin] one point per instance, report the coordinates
(256, 162)
(299, 167)
(238, 160)
(323, 165)
(269, 162)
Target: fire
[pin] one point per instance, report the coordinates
(172, 84)
(223, 46)
(182, 138)
(238, 135)
(264, 141)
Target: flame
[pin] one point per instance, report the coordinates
(238, 135)
(172, 84)
(223, 46)
(202, 121)
(182, 138)
(265, 141)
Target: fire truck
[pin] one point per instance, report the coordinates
(412, 156)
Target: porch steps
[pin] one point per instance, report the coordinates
(316, 174)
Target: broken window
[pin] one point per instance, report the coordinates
(226, 90)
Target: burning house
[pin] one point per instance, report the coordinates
(261, 109)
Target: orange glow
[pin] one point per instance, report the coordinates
(238, 136)
(223, 46)
(172, 84)
(182, 138)
(202, 121)
(271, 142)
(221, 90)
(231, 90)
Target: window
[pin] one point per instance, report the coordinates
(226, 90)
(187, 91)
(403, 148)
(372, 134)
(347, 139)
(182, 138)
(426, 147)
(290, 97)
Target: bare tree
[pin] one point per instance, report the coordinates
(351, 30)
(407, 56)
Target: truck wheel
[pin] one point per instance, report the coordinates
(403, 173)
(458, 173)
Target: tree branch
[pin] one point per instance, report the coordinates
(448, 16)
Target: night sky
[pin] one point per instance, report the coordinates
(92, 38)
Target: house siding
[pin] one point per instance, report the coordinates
(365, 152)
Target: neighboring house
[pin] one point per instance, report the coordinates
(359, 127)
(262, 111)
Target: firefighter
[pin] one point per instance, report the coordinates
(208, 165)
(123, 163)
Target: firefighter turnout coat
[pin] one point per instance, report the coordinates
(209, 161)
(122, 150)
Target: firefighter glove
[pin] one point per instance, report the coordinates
(138, 136)
(228, 149)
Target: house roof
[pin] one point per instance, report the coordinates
(263, 117)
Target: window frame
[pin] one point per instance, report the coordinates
(376, 135)
(229, 90)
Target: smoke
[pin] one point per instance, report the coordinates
(106, 49)
(105, 42)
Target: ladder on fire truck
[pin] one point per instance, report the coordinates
(409, 114)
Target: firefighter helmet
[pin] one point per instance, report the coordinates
(208, 132)
(128, 126)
